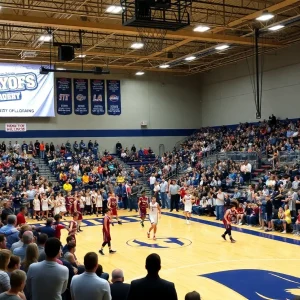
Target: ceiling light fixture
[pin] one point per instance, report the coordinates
(190, 58)
(81, 56)
(113, 9)
(276, 27)
(140, 73)
(201, 28)
(265, 16)
(164, 66)
(137, 45)
(45, 38)
(222, 47)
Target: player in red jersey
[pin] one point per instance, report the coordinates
(73, 225)
(227, 222)
(112, 204)
(143, 205)
(77, 209)
(57, 226)
(106, 232)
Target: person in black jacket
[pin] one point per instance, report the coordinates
(152, 286)
(119, 290)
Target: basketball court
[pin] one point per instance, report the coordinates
(195, 257)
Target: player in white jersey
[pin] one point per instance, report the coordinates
(154, 214)
(188, 201)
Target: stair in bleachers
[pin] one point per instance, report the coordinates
(44, 170)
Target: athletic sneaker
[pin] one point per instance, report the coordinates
(188, 222)
(232, 240)
(142, 223)
(148, 235)
(154, 237)
(101, 252)
(119, 222)
(283, 231)
(224, 237)
(112, 251)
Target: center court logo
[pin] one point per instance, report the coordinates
(160, 243)
(259, 284)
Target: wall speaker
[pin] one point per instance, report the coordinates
(66, 53)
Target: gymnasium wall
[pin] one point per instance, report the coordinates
(169, 104)
(227, 93)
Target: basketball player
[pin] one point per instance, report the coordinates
(188, 201)
(227, 222)
(106, 232)
(112, 204)
(154, 213)
(143, 205)
(73, 225)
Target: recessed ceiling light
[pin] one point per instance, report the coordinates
(164, 66)
(114, 9)
(201, 28)
(190, 58)
(222, 47)
(140, 73)
(265, 16)
(137, 45)
(81, 56)
(45, 38)
(60, 69)
(276, 27)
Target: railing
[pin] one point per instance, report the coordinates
(287, 158)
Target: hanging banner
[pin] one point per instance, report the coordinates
(64, 96)
(113, 97)
(97, 97)
(81, 103)
(24, 92)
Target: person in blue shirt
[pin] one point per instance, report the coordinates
(10, 231)
(48, 228)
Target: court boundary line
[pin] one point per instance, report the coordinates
(262, 234)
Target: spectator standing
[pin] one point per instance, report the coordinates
(152, 286)
(47, 280)
(88, 285)
(27, 239)
(119, 289)
(174, 190)
(192, 296)
(220, 205)
(7, 210)
(32, 255)
(17, 284)
(21, 216)
(2, 241)
(163, 193)
(4, 278)
(10, 231)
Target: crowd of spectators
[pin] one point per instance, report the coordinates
(270, 202)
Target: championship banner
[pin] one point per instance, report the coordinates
(97, 97)
(113, 97)
(81, 103)
(64, 96)
(24, 92)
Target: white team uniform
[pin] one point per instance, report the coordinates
(63, 204)
(99, 201)
(36, 205)
(56, 207)
(45, 204)
(153, 213)
(188, 203)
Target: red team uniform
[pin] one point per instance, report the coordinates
(143, 205)
(113, 203)
(74, 229)
(106, 231)
(231, 215)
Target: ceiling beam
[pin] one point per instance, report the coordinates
(88, 53)
(90, 65)
(20, 20)
(271, 9)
